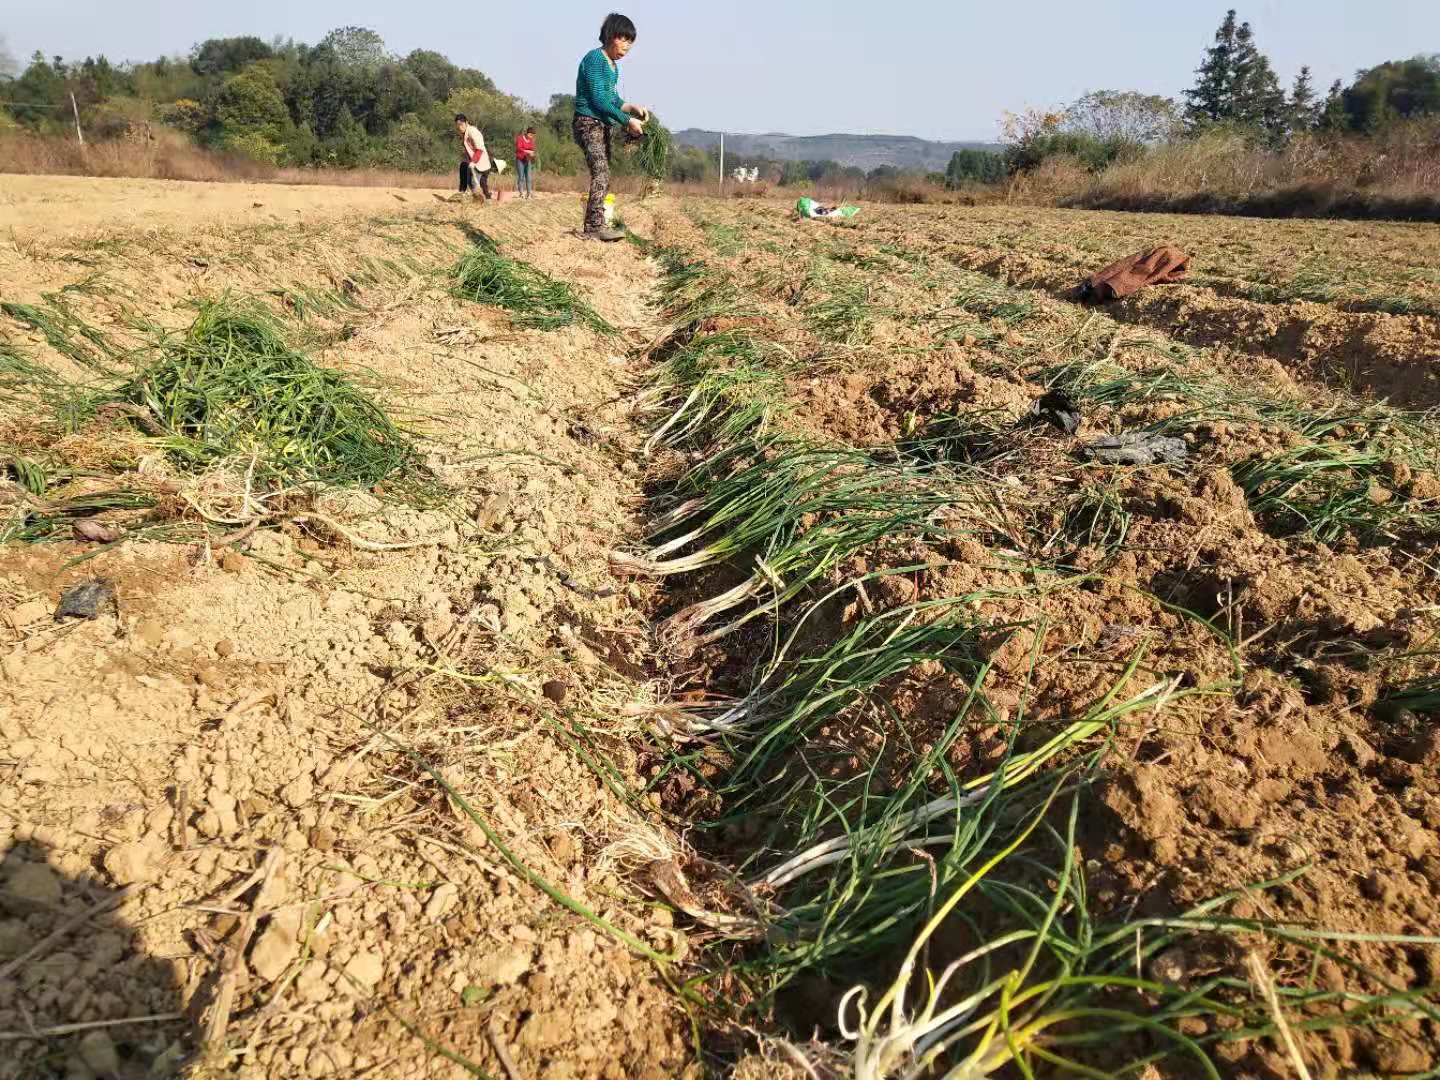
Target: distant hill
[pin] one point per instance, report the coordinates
(865, 151)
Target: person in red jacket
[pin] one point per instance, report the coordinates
(525, 163)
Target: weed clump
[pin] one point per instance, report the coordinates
(229, 387)
(535, 300)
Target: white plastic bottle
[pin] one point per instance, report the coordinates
(609, 211)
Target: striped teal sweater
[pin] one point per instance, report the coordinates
(595, 94)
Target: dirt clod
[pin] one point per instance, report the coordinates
(97, 1050)
(366, 968)
(31, 887)
(95, 531)
(505, 967)
(273, 951)
(129, 864)
(441, 901)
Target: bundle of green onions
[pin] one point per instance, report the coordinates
(653, 152)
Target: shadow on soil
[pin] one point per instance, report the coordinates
(78, 1000)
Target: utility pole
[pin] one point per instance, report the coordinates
(722, 164)
(76, 108)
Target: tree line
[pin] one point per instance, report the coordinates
(344, 102)
(348, 101)
(1236, 88)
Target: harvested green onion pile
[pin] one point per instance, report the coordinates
(535, 299)
(230, 387)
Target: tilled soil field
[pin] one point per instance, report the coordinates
(1355, 306)
(1217, 666)
(732, 651)
(212, 815)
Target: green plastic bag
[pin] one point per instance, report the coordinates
(807, 207)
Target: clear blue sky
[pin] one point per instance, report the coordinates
(941, 69)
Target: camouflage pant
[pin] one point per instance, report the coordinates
(594, 138)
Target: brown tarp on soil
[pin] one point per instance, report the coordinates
(1158, 266)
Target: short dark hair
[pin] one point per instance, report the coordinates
(616, 26)
(459, 116)
(530, 130)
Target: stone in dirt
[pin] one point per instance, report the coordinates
(89, 529)
(14, 938)
(150, 632)
(27, 613)
(546, 1030)
(554, 691)
(32, 887)
(1137, 448)
(494, 510)
(564, 848)
(86, 600)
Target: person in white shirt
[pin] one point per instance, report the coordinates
(476, 165)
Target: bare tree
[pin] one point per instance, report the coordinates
(1122, 115)
(356, 46)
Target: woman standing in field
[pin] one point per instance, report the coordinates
(597, 107)
(525, 163)
(475, 164)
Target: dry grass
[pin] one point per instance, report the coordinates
(1395, 175)
(174, 157)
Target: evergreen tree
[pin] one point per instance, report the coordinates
(42, 86)
(1209, 100)
(1257, 101)
(980, 166)
(1332, 113)
(1236, 85)
(1304, 105)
